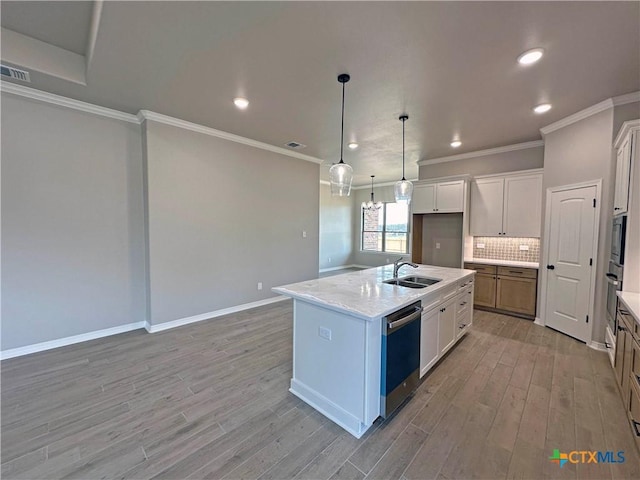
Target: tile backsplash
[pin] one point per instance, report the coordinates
(498, 248)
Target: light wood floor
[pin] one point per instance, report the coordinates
(210, 400)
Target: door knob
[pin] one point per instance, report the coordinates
(551, 267)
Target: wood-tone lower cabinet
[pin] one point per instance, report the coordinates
(516, 295)
(505, 289)
(627, 368)
(485, 291)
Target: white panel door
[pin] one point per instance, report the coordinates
(447, 325)
(623, 163)
(450, 197)
(571, 232)
(522, 206)
(486, 207)
(423, 199)
(429, 340)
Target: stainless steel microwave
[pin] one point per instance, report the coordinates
(618, 234)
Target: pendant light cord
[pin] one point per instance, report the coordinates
(403, 120)
(342, 126)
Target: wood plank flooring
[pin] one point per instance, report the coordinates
(210, 400)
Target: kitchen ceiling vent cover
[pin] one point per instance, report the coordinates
(293, 144)
(14, 73)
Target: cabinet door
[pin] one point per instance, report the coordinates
(522, 211)
(485, 291)
(429, 352)
(516, 295)
(447, 325)
(623, 164)
(486, 207)
(450, 197)
(423, 199)
(620, 356)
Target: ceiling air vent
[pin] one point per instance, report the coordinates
(295, 145)
(11, 72)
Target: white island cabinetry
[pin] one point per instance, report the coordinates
(337, 336)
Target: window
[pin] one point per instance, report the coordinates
(387, 229)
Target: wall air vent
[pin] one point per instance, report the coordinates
(11, 72)
(295, 145)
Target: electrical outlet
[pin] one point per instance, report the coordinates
(329, 259)
(437, 244)
(480, 245)
(524, 247)
(304, 234)
(259, 285)
(325, 333)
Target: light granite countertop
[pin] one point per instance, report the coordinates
(505, 263)
(632, 301)
(362, 294)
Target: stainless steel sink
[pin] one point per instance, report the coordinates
(423, 280)
(412, 282)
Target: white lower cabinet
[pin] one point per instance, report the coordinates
(429, 352)
(444, 322)
(447, 325)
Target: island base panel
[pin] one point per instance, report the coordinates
(329, 409)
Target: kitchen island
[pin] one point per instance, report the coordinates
(338, 328)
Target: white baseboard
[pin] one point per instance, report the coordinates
(206, 316)
(538, 321)
(353, 265)
(84, 337)
(598, 346)
(62, 342)
(331, 269)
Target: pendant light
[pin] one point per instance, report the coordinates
(403, 188)
(341, 174)
(371, 205)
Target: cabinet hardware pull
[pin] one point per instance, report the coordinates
(515, 271)
(617, 208)
(635, 427)
(621, 329)
(551, 267)
(638, 379)
(607, 346)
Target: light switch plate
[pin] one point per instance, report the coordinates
(324, 332)
(480, 245)
(524, 247)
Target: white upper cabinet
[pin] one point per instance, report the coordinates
(441, 197)
(623, 169)
(508, 206)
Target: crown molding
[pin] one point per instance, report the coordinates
(626, 127)
(592, 110)
(176, 122)
(483, 153)
(632, 97)
(54, 99)
(384, 184)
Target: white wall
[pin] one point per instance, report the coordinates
(72, 223)
(223, 216)
(578, 153)
(336, 229)
(514, 161)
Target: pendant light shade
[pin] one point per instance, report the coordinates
(341, 174)
(371, 204)
(404, 188)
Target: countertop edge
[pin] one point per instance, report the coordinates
(632, 302)
(504, 263)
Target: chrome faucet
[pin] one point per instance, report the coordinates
(398, 263)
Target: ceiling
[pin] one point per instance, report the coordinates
(451, 66)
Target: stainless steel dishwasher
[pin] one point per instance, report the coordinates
(400, 357)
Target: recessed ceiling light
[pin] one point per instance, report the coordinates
(353, 145)
(456, 143)
(530, 56)
(241, 103)
(542, 108)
